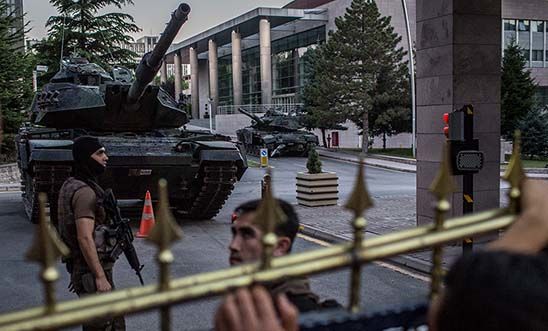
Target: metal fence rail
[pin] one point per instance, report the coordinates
(168, 292)
(286, 108)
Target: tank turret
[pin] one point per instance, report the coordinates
(83, 95)
(257, 119)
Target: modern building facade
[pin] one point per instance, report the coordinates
(142, 46)
(526, 23)
(15, 7)
(257, 57)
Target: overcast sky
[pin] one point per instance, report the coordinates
(151, 15)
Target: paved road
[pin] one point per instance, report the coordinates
(203, 248)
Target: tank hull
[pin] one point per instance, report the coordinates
(297, 142)
(201, 173)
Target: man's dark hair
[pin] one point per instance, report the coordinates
(496, 291)
(289, 228)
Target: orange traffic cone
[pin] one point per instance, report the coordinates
(147, 219)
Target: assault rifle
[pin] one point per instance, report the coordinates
(123, 234)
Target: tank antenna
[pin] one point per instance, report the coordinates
(108, 46)
(62, 41)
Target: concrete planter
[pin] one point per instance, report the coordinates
(315, 190)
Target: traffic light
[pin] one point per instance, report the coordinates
(446, 127)
(464, 149)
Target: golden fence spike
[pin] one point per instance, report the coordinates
(359, 199)
(46, 248)
(514, 174)
(268, 216)
(443, 184)
(166, 231)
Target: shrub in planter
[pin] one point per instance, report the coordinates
(315, 187)
(314, 165)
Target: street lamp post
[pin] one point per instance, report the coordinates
(411, 77)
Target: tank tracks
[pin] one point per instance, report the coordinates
(47, 178)
(214, 184)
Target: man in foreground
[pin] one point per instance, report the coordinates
(503, 288)
(246, 247)
(83, 226)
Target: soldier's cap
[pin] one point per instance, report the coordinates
(84, 146)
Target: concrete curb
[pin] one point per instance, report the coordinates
(367, 162)
(10, 187)
(405, 261)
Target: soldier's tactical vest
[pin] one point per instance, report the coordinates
(67, 222)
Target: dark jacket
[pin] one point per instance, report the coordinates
(298, 293)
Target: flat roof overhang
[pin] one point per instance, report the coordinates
(247, 24)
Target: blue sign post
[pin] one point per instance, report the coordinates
(264, 157)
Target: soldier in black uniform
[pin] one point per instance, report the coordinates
(83, 225)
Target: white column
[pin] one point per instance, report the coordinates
(163, 72)
(178, 76)
(213, 76)
(236, 68)
(195, 97)
(266, 65)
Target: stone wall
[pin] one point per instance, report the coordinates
(9, 174)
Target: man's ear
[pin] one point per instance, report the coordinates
(282, 246)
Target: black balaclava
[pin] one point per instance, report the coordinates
(86, 167)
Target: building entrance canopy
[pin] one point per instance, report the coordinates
(248, 25)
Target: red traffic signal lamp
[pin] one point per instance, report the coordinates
(446, 126)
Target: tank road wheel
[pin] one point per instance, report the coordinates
(48, 179)
(208, 193)
(30, 199)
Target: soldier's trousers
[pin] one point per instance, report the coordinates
(83, 283)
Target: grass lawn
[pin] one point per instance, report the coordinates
(534, 163)
(531, 163)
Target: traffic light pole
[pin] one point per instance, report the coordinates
(468, 178)
(466, 158)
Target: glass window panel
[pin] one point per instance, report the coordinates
(509, 32)
(524, 35)
(537, 48)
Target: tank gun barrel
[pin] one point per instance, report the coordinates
(250, 115)
(151, 62)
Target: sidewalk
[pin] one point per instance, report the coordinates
(390, 214)
(332, 224)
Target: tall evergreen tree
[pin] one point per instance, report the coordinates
(323, 109)
(368, 66)
(391, 100)
(517, 90)
(534, 133)
(15, 80)
(80, 28)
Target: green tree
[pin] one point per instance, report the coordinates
(517, 90)
(322, 107)
(369, 71)
(313, 164)
(391, 113)
(534, 133)
(81, 29)
(15, 82)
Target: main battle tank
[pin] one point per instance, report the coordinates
(278, 132)
(140, 126)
